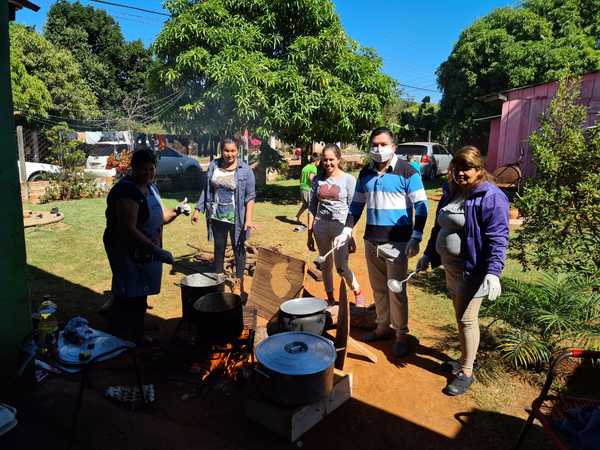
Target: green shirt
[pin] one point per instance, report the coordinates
(305, 181)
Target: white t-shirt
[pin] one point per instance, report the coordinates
(223, 207)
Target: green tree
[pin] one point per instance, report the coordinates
(56, 70)
(29, 92)
(541, 40)
(111, 66)
(561, 205)
(274, 66)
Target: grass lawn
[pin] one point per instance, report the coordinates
(67, 262)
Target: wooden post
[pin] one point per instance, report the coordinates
(22, 165)
(36, 146)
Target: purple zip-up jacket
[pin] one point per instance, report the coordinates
(486, 231)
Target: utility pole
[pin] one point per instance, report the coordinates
(22, 165)
(15, 310)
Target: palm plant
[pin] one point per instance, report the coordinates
(536, 320)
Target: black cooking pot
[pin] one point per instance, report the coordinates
(218, 317)
(195, 286)
(303, 314)
(295, 368)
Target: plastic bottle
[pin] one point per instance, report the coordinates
(48, 326)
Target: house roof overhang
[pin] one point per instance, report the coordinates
(482, 119)
(14, 5)
(495, 97)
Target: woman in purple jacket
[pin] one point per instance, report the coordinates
(469, 239)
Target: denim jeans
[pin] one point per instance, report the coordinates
(220, 232)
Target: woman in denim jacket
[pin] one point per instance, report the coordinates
(227, 198)
(469, 239)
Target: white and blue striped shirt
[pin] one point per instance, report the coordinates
(390, 199)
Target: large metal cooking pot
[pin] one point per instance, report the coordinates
(303, 314)
(295, 368)
(198, 285)
(218, 317)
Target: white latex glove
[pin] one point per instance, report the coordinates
(491, 283)
(164, 256)
(422, 264)
(183, 208)
(342, 238)
(412, 247)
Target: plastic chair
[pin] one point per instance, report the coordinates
(549, 408)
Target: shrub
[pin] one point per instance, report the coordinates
(534, 321)
(70, 182)
(561, 204)
(71, 187)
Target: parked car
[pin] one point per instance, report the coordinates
(97, 160)
(433, 157)
(37, 171)
(179, 169)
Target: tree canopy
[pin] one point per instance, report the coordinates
(542, 40)
(274, 66)
(412, 121)
(47, 79)
(111, 66)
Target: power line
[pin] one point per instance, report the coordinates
(120, 5)
(408, 86)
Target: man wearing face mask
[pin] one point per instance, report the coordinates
(390, 189)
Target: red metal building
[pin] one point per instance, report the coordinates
(520, 117)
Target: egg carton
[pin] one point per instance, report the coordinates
(130, 394)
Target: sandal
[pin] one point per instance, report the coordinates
(359, 299)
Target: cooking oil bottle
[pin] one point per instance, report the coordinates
(48, 326)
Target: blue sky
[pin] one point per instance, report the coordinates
(412, 37)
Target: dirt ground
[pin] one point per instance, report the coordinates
(395, 404)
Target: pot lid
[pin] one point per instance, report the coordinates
(296, 353)
(202, 280)
(303, 306)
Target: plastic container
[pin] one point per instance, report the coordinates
(47, 326)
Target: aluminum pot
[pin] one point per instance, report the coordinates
(218, 317)
(303, 314)
(295, 368)
(195, 286)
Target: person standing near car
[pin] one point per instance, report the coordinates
(469, 239)
(389, 188)
(133, 242)
(332, 192)
(306, 176)
(227, 199)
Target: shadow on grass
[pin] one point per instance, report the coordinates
(279, 195)
(432, 282)
(44, 411)
(192, 195)
(72, 299)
